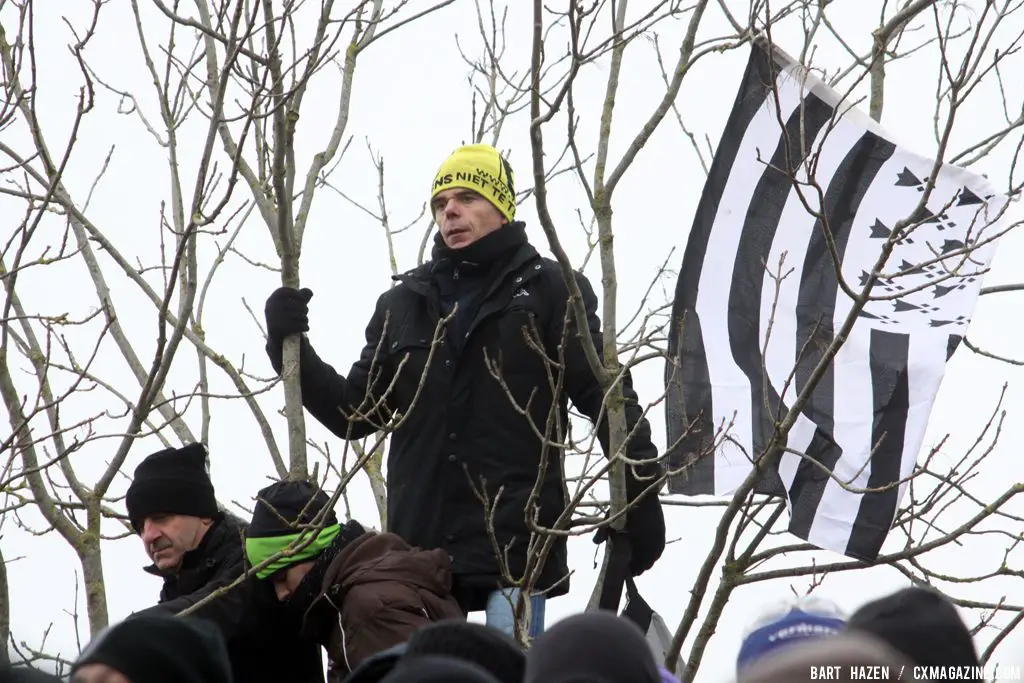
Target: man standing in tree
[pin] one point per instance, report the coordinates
(197, 549)
(472, 401)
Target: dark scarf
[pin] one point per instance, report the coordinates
(484, 251)
(464, 275)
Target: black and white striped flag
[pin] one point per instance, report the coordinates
(758, 302)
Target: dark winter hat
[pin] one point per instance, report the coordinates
(438, 669)
(374, 668)
(161, 648)
(594, 646)
(922, 624)
(482, 645)
(174, 482)
(25, 674)
(282, 511)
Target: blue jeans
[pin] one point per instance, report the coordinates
(501, 607)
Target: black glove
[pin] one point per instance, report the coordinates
(287, 312)
(645, 527)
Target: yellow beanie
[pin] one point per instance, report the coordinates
(480, 168)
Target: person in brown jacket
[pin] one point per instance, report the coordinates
(360, 592)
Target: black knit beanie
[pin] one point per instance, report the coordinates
(284, 515)
(375, 667)
(172, 482)
(598, 647)
(162, 648)
(482, 645)
(284, 506)
(922, 624)
(438, 669)
(25, 674)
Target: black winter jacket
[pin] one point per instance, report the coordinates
(462, 424)
(262, 636)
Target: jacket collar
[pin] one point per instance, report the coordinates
(420, 279)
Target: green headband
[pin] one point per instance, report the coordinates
(261, 548)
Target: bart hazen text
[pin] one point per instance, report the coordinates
(999, 672)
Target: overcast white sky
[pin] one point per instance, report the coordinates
(412, 103)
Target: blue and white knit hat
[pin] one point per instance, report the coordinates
(794, 623)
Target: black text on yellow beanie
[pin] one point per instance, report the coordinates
(480, 168)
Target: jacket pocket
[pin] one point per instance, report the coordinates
(409, 359)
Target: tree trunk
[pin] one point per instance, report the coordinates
(5, 611)
(92, 572)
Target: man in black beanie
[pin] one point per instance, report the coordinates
(171, 504)
(594, 646)
(922, 624)
(198, 552)
(359, 592)
(155, 649)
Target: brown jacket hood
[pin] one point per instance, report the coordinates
(375, 594)
(374, 557)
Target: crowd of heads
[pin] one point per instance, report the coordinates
(915, 629)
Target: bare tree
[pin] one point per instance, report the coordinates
(76, 510)
(606, 366)
(945, 31)
(5, 612)
(221, 74)
(962, 67)
(274, 94)
(229, 84)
